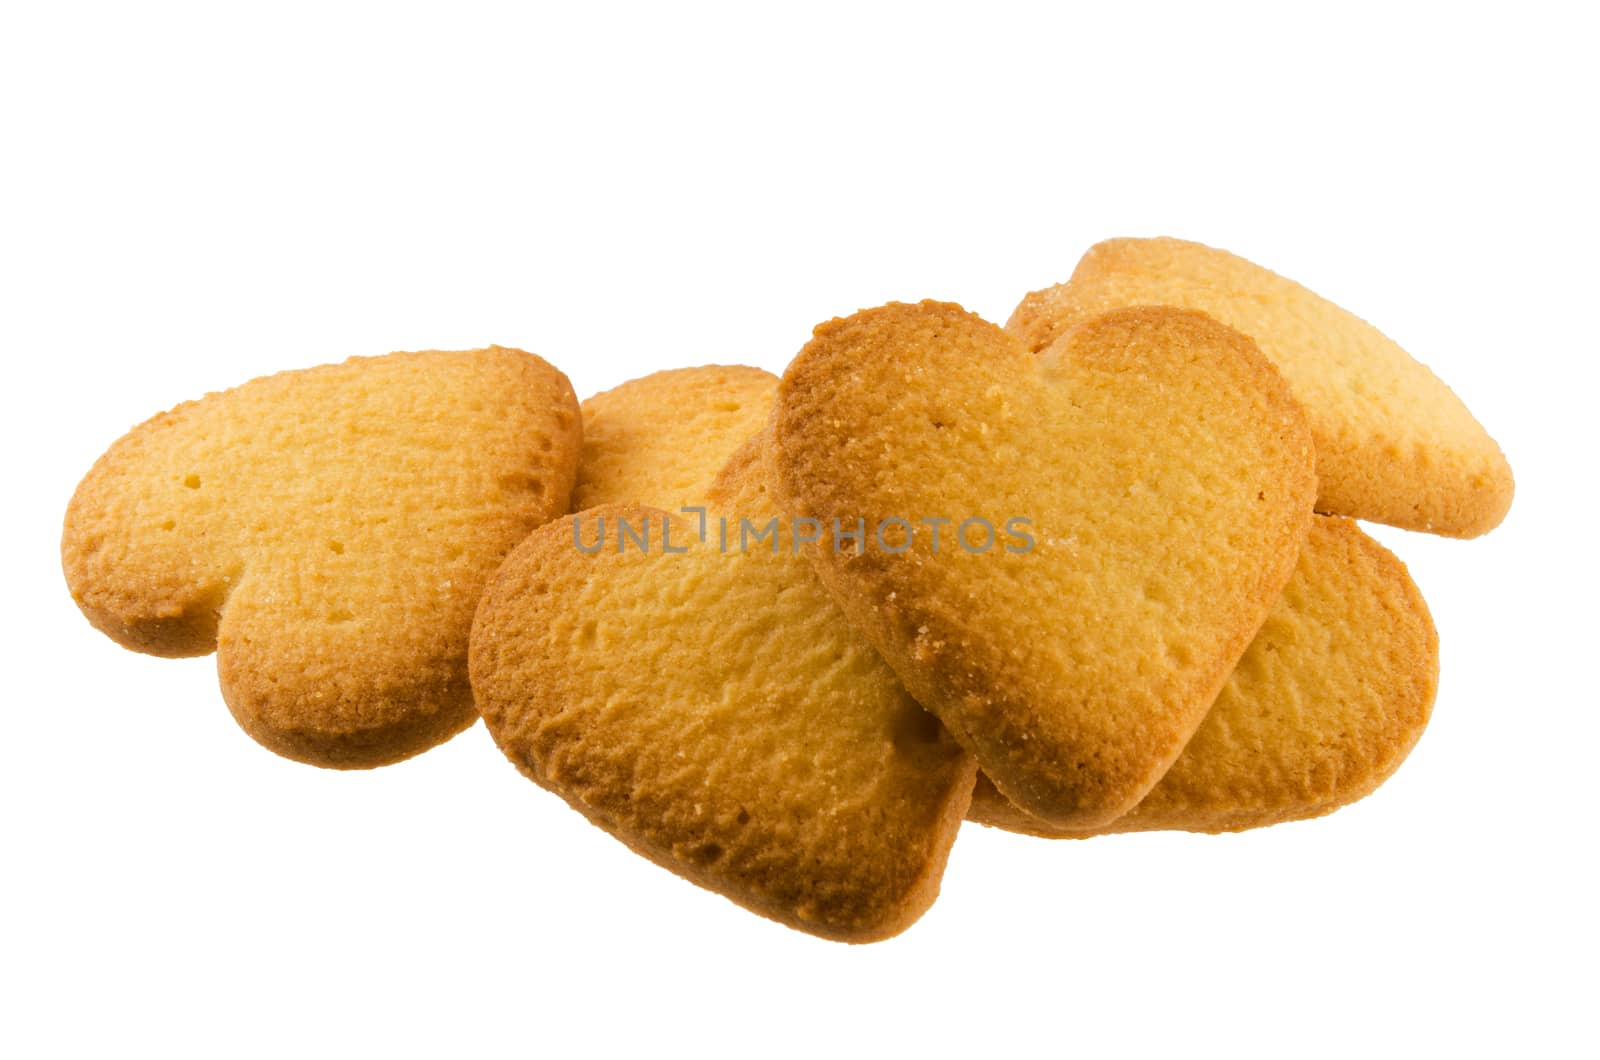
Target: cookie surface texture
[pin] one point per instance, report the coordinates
(1327, 702)
(714, 712)
(661, 439)
(1394, 443)
(1165, 476)
(327, 532)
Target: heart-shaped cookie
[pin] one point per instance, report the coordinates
(712, 710)
(1119, 516)
(1394, 443)
(1327, 702)
(662, 438)
(327, 532)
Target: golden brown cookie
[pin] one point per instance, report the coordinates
(1394, 444)
(327, 532)
(713, 711)
(661, 439)
(1327, 702)
(1163, 477)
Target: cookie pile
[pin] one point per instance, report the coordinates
(1096, 571)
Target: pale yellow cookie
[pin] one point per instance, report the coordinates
(661, 439)
(1327, 702)
(1394, 444)
(713, 711)
(327, 532)
(1146, 486)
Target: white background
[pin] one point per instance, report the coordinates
(193, 197)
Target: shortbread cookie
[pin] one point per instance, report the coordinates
(660, 440)
(713, 711)
(1327, 702)
(327, 532)
(1144, 489)
(1394, 444)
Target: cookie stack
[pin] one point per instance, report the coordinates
(1095, 571)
